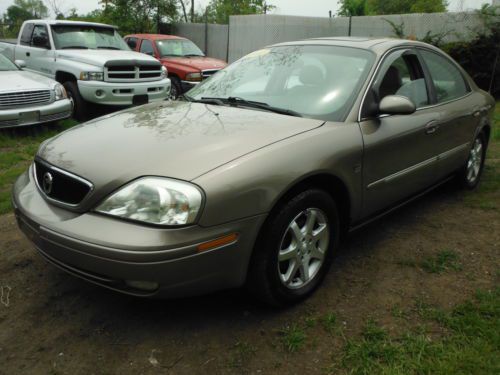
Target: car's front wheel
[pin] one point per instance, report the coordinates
(471, 173)
(295, 249)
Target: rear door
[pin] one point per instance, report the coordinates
(459, 114)
(400, 150)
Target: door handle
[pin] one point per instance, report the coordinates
(431, 127)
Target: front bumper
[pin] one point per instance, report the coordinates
(58, 110)
(122, 94)
(108, 252)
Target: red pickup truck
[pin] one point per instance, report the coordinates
(185, 62)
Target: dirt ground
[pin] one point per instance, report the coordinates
(54, 323)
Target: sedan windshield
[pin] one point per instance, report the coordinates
(177, 47)
(6, 64)
(315, 81)
(87, 37)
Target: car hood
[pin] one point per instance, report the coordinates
(197, 63)
(101, 56)
(21, 80)
(173, 139)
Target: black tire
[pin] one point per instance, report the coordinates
(80, 106)
(176, 89)
(464, 176)
(265, 273)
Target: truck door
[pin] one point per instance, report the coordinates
(42, 55)
(23, 48)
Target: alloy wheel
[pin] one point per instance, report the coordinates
(303, 248)
(475, 161)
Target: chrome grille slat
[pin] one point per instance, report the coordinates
(128, 73)
(11, 99)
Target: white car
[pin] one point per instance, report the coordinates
(27, 98)
(92, 61)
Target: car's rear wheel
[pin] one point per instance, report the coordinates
(471, 173)
(80, 106)
(295, 249)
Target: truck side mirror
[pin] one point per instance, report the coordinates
(41, 42)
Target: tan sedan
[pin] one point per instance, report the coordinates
(254, 178)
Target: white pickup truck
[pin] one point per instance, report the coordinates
(91, 60)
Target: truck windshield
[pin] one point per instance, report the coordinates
(6, 64)
(87, 37)
(315, 81)
(177, 47)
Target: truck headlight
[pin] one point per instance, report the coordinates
(60, 92)
(194, 77)
(155, 200)
(92, 76)
(164, 72)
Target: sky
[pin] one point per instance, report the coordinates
(314, 8)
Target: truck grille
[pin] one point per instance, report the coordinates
(132, 72)
(209, 73)
(63, 187)
(24, 98)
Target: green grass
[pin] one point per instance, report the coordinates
(17, 149)
(443, 261)
(470, 343)
(293, 338)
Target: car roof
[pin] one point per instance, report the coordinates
(153, 36)
(64, 22)
(377, 45)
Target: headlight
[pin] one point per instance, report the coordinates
(164, 72)
(92, 76)
(155, 200)
(194, 77)
(60, 92)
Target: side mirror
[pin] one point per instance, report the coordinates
(396, 105)
(41, 42)
(20, 64)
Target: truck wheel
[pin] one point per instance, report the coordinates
(79, 104)
(176, 89)
(295, 249)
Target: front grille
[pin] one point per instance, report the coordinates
(133, 72)
(64, 187)
(209, 73)
(24, 98)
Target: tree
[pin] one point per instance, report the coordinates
(218, 11)
(352, 8)
(23, 10)
(375, 7)
(133, 16)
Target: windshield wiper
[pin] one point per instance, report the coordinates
(74, 47)
(193, 55)
(108, 47)
(235, 101)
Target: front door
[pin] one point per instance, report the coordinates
(400, 150)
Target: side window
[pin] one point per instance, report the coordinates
(26, 35)
(132, 43)
(147, 47)
(40, 38)
(448, 80)
(403, 76)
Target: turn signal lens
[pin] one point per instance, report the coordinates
(221, 241)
